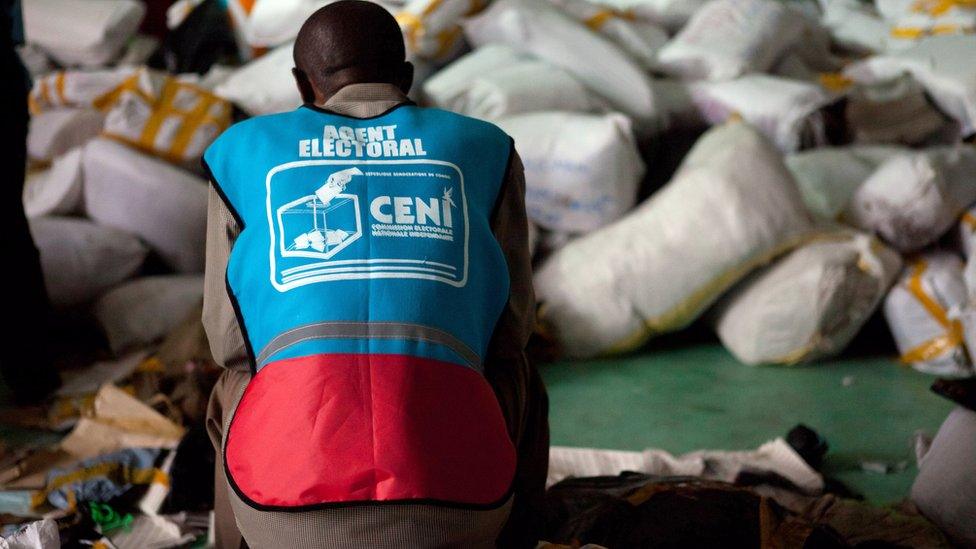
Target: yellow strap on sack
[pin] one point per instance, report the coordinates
(969, 220)
(163, 107)
(412, 26)
(191, 123)
(939, 345)
(908, 33)
(685, 312)
(941, 7)
(446, 40)
(834, 81)
(600, 18)
(111, 98)
(933, 348)
(147, 140)
(946, 29)
(59, 88)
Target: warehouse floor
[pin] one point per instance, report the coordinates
(685, 392)
(699, 397)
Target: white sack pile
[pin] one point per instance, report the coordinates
(732, 206)
(77, 89)
(671, 15)
(81, 259)
(495, 81)
(636, 33)
(809, 304)
(265, 85)
(923, 313)
(967, 242)
(148, 109)
(786, 111)
(911, 200)
(58, 190)
(856, 25)
(590, 91)
(55, 132)
(537, 28)
(581, 170)
(162, 204)
(828, 177)
(81, 32)
(432, 29)
(145, 310)
(729, 38)
(945, 65)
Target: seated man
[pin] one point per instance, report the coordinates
(369, 292)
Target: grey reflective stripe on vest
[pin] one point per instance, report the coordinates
(370, 330)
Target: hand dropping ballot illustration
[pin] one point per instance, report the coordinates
(374, 219)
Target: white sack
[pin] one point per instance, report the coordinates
(829, 176)
(81, 260)
(810, 303)
(856, 25)
(58, 190)
(581, 170)
(923, 310)
(537, 28)
(731, 207)
(274, 22)
(912, 200)
(76, 88)
(448, 86)
(913, 20)
(81, 32)
(945, 65)
(670, 14)
(265, 85)
(967, 242)
(55, 132)
(775, 457)
(145, 310)
(432, 28)
(161, 114)
(639, 37)
(165, 205)
(728, 38)
(526, 86)
(967, 232)
(968, 319)
(786, 111)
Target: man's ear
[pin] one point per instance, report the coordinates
(406, 77)
(304, 86)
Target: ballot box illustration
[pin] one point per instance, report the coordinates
(320, 225)
(330, 220)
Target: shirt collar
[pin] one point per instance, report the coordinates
(365, 100)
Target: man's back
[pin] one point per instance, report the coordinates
(367, 274)
(369, 289)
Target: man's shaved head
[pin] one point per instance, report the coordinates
(349, 42)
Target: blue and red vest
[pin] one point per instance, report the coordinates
(367, 284)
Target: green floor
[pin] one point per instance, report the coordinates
(700, 397)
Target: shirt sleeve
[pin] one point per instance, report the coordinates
(219, 319)
(506, 360)
(517, 384)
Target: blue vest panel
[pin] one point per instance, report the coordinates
(366, 275)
